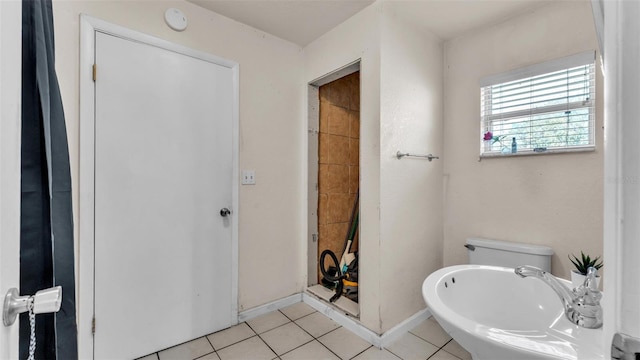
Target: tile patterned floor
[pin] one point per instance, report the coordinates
(298, 332)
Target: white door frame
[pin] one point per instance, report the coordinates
(622, 170)
(10, 128)
(88, 27)
(313, 124)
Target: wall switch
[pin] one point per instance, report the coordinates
(248, 177)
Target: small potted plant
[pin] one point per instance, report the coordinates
(582, 264)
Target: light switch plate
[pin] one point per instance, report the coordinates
(248, 177)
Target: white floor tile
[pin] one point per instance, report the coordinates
(317, 324)
(344, 343)
(285, 338)
(373, 353)
(296, 311)
(212, 356)
(252, 348)
(153, 356)
(187, 351)
(431, 331)
(230, 336)
(310, 351)
(267, 321)
(443, 355)
(454, 348)
(410, 347)
(288, 339)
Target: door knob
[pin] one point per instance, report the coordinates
(44, 301)
(224, 212)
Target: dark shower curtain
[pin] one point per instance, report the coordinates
(46, 216)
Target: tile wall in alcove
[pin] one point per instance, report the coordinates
(338, 170)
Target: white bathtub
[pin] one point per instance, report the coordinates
(495, 314)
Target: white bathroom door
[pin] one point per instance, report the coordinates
(163, 172)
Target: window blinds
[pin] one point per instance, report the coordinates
(545, 107)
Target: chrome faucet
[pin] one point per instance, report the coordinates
(581, 305)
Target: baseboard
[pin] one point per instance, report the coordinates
(356, 327)
(345, 321)
(397, 331)
(267, 308)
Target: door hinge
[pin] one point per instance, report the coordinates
(93, 326)
(95, 72)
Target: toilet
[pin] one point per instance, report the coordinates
(508, 254)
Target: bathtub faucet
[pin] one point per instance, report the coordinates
(581, 305)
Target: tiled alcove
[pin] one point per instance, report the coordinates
(338, 164)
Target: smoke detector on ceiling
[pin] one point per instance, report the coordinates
(176, 19)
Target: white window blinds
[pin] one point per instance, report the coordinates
(545, 107)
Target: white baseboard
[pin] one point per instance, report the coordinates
(269, 307)
(345, 321)
(356, 327)
(397, 331)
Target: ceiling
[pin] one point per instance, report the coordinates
(299, 21)
(302, 21)
(448, 19)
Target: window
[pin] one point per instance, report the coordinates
(547, 107)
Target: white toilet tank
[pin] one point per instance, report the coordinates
(508, 254)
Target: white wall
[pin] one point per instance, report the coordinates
(359, 38)
(554, 200)
(271, 103)
(411, 120)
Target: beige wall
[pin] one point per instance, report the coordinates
(271, 103)
(401, 201)
(358, 38)
(554, 200)
(411, 120)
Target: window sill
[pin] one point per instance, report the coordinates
(534, 153)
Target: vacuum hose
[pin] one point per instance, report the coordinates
(337, 278)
